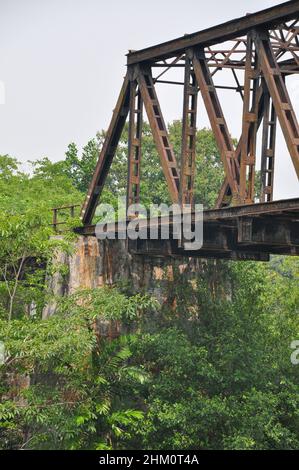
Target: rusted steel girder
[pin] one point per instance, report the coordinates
(260, 50)
(268, 149)
(225, 196)
(188, 134)
(115, 129)
(134, 145)
(159, 130)
(245, 232)
(218, 122)
(279, 94)
(265, 18)
(250, 124)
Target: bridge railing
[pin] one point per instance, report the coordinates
(66, 210)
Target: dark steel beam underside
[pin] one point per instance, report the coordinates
(242, 232)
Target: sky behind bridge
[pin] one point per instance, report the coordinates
(62, 63)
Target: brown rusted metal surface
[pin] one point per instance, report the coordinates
(134, 150)
(159, 130)
(217, 121)
(241, 232)
(268, 150)
(188, 135)
(279, 94)
(217, 34)
(260, 51)
(225, 195)
(250, 123)
(107, 153)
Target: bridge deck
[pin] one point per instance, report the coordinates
(242, 232)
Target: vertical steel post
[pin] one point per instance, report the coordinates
(134, 145)
(249, 124)
(159, 130)
(188, 153)
(279, 94)
(268, 150)
(218, 122)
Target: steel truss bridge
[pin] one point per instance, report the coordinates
(261, 52)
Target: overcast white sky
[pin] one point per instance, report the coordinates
(62, 64)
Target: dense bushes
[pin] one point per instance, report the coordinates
(213, 371)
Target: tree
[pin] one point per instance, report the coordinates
(219, 374)
(74, 399)
(26, 248)
(80, 170)
(209, 175)
(211, 371)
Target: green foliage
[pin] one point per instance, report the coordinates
(222, 377)
(46, 188)
(26, 249)
(209, 168)
(211, 371)
(107, 303)
(73, 382)
(80, 169)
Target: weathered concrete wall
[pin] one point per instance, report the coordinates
(105, 262)
(95, 263)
